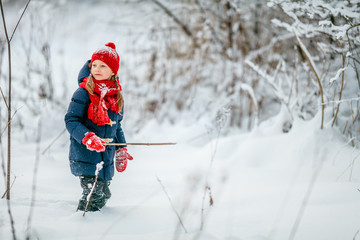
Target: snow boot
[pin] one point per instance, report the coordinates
(98, 197)
(106, 190)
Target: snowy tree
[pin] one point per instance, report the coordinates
(328, 45)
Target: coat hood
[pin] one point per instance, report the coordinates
(84, 72)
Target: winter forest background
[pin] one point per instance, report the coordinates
(252, 91)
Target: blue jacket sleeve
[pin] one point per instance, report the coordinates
(77, 114)
(120, 137)
(84, 72)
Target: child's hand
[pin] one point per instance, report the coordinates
(121, 158)
(94, 143)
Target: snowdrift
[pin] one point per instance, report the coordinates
(260, 185)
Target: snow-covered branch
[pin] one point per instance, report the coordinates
(316, 72)
(269, 79)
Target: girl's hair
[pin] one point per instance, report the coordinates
(90, 85)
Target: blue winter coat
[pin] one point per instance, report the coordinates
(83, 161)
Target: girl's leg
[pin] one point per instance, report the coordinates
(98, 198)
(106, 190)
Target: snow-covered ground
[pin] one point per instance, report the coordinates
(260, 183)
(264, 184)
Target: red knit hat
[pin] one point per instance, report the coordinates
(108, 55)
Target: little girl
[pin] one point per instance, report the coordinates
(95, 113)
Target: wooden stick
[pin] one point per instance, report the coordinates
(90, 194)
(146, 144)
(99, 166)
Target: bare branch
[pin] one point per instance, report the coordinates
(34, 180)
(313, 67)
(9, 109)
(99, 166)
(10, 186)
(251, 94)
(355, 60)
(3, 96)
(213, 32)
(140, 144)
(48, 147)
(8, 40)
(18, 22)
(183, 26)
(306, 198)
(7, 125)
(167, 195)
(350, 49)
(342, 86)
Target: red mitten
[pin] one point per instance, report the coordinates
(121, 158)
(93, 142)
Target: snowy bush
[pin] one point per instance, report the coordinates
(194, 60)
(328, 44)
(300, 56)
(196, 63)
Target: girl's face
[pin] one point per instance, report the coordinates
(100, 70)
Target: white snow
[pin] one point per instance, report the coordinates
(108, 50)
(103, 90)
(261, 182)
(99, 166)
(258, 182)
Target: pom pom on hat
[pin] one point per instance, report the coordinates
(110, 44)
(107, 55)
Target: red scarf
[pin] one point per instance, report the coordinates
(105, 97)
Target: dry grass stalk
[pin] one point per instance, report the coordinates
(313, 68)
(172, 205)
(342, 86)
